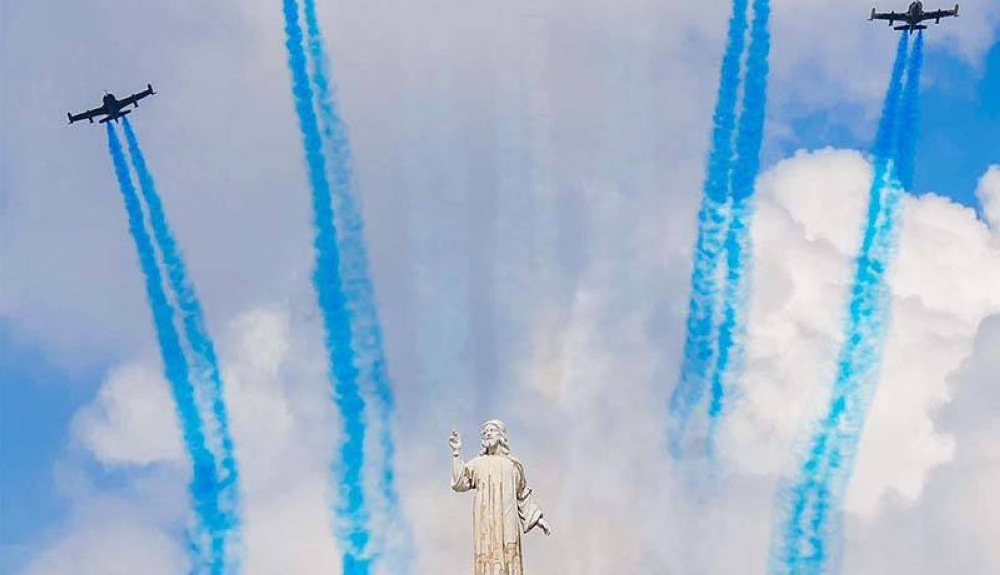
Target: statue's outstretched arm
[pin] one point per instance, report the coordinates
(460, 479)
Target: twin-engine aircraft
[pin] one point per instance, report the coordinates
(112, 108)
(913, 17)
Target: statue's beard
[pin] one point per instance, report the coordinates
(498, 447)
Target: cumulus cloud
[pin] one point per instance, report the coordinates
(128, 422)
(988, 193)
(954, 526)
(283, 425)
(806, 233)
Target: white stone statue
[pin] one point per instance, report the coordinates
(503, 506)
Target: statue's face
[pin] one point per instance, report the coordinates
(491, 436)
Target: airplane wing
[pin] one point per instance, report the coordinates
(890, 16)
(134, 98)
(88, 115)
(938, 14)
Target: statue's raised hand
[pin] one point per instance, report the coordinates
(455, 442)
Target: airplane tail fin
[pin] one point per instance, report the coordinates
(69, 115)
(872, 17)
(150, 88)
(956, 10)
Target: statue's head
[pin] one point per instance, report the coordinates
(494, 438)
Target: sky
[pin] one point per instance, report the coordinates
(531, 173)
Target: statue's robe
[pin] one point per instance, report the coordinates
(503, 508)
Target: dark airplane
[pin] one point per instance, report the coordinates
(913, 17)
(112, 108)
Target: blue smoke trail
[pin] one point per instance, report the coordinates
(739, 256)
(358, 285)
(201, 345)
(208, 534)
(712, 221)
(807, 538)
(909, 114)
(351, 527)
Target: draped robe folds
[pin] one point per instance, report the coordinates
(503, 508)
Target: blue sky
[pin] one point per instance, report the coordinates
(38, 400)
(959, 125)
(243, 229)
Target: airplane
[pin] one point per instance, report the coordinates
(913, 17)
(112, 108)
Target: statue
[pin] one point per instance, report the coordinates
(503, 506)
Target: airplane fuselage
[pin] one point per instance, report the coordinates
(112, 106)
(915, 12)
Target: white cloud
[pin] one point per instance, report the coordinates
(115, 535)
(806, 232)
(988, 193)
(114, 548)
(954, 526)
(288, 528)
(945, 270)
(283, 425)
(128, 422)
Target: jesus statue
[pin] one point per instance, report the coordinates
(503, 506)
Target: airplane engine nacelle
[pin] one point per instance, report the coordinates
(937, 20)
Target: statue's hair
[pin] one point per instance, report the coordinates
(503, 446)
